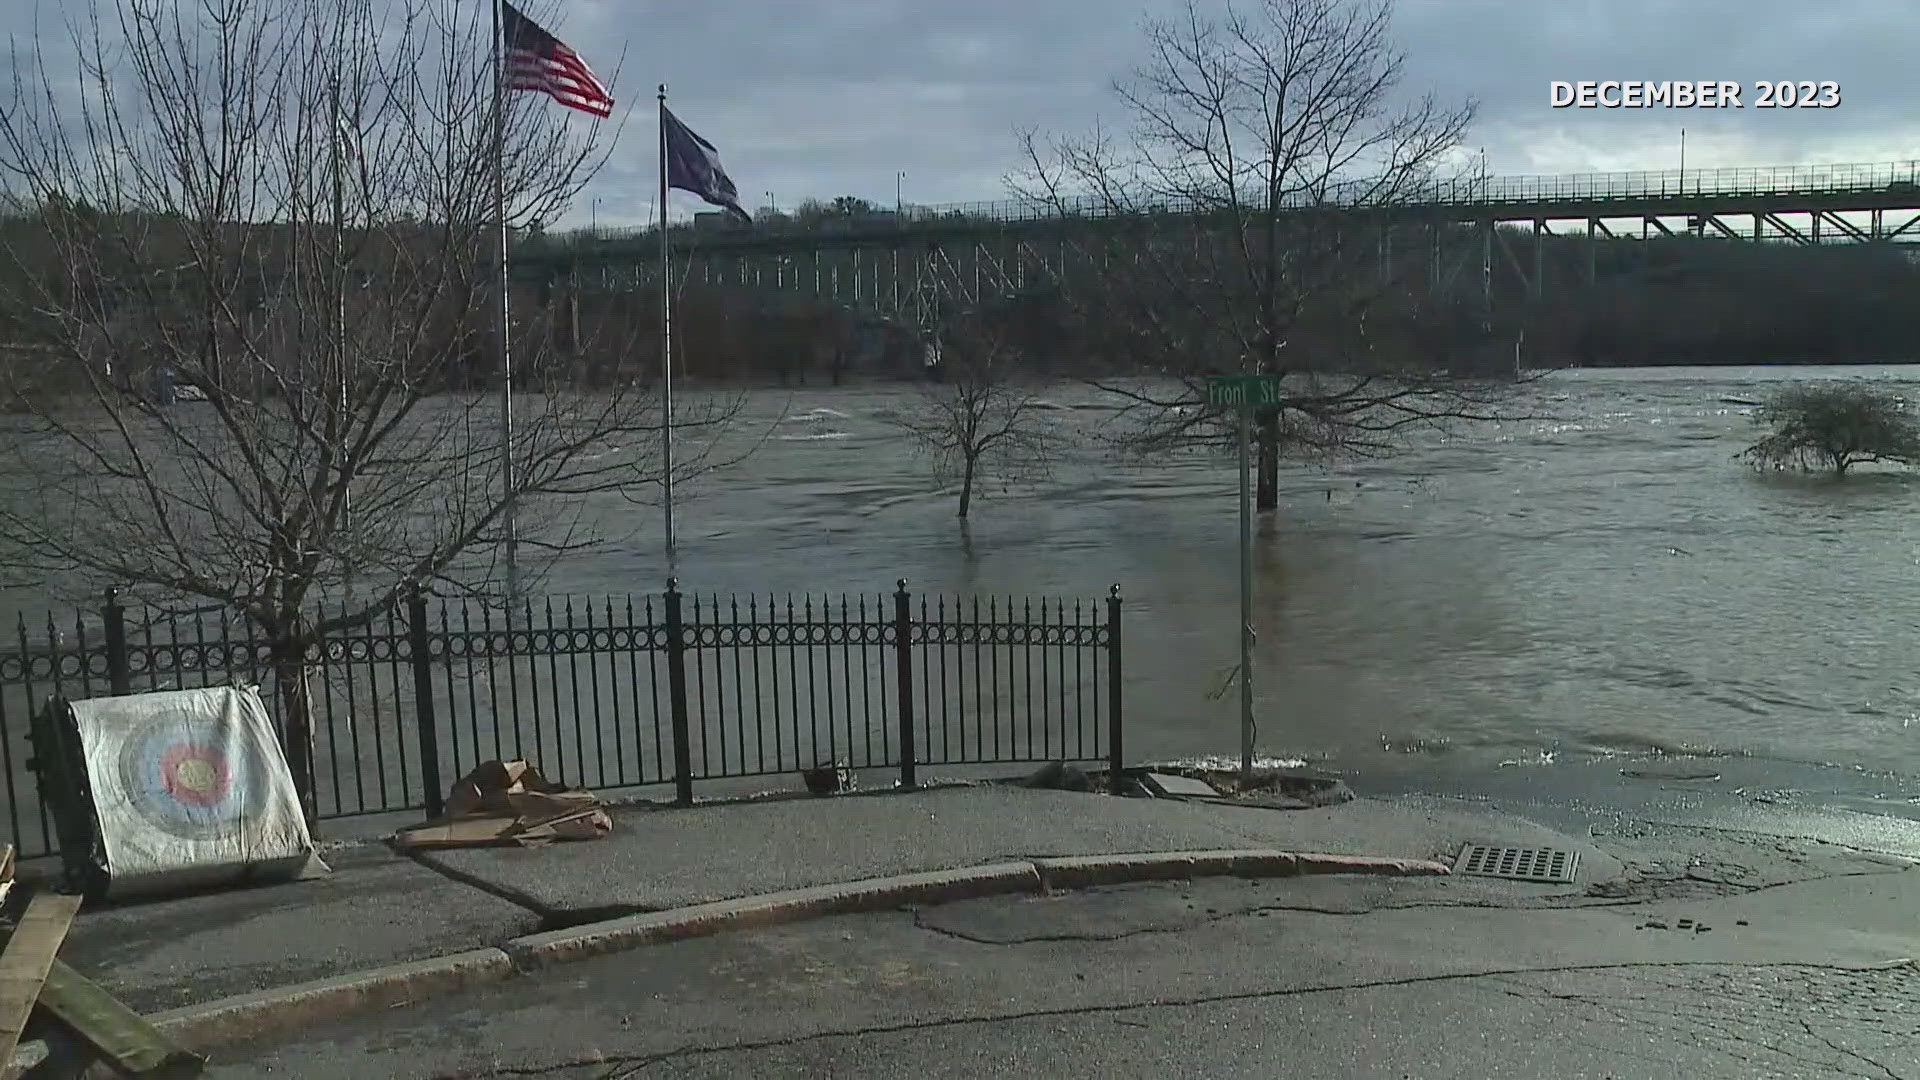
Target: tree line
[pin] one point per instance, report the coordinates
(1666, 300)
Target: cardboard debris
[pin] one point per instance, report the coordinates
(6, 873)
(509, 804)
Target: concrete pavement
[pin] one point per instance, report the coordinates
(380, 908)
(664, 858)
(376, 908)
(1335, 977)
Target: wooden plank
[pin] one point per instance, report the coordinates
(28, 958)
(121, 1035)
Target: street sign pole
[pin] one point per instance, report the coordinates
(1246, 599)
(1243, 394)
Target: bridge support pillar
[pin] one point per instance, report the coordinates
(1539, 258)
(1486, 275)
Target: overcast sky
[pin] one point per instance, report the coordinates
(835, 96)
(817, 98)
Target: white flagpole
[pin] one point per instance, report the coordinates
(666, 331)
(503, 321)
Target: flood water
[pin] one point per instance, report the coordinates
(1603, 579)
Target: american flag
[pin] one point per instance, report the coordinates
(536, 60)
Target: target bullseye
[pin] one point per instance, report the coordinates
(181, 776)
(196, 775)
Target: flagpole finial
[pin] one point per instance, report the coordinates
(663, 91)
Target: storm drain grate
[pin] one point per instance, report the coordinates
(1517, 863)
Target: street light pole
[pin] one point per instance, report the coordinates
(897, 205)
(594, 217)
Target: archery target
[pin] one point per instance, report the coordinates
(183, 776)
(190, 788)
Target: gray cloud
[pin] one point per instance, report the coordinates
(836, 96)
(831, 99)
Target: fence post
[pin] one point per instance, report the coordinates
(903, 660)
(1115, 758)
(119, 676)
(677, 691)
(428, 724)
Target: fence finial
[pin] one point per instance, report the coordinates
(901, 584)
(1114, 591)
(673, 584)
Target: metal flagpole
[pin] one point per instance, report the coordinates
(503, 324)
(666, 330)
(339, 335)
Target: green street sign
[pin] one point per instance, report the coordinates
(1243, 391)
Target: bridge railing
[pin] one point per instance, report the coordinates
(1493, 190)
(1762, 180)
(1464, 191)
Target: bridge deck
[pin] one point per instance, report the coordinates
(1796, 189)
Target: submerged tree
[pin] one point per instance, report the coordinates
(1833, 426)
(980, 424)
(286, 208)
(1248, 221)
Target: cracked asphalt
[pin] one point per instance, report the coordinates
(1804, 968)
(1750, 920)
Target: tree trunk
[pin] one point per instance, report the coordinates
(966, 489)
(296, 718)
(1267, 440)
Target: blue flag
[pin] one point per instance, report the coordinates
(694, 165)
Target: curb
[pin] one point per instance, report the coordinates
(248, 1016)
(1089, 871)
(536, 951)
(281, 1009)
(271, 1012)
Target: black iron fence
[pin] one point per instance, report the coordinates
(612, 693)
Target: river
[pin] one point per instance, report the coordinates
(1604, 579)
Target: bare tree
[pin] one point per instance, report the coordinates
(1244, 225)
(1834, 426)
(286, 206)
(979, 424)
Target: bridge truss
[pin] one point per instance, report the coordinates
(910, 267)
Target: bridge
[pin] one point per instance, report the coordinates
(905, 266)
